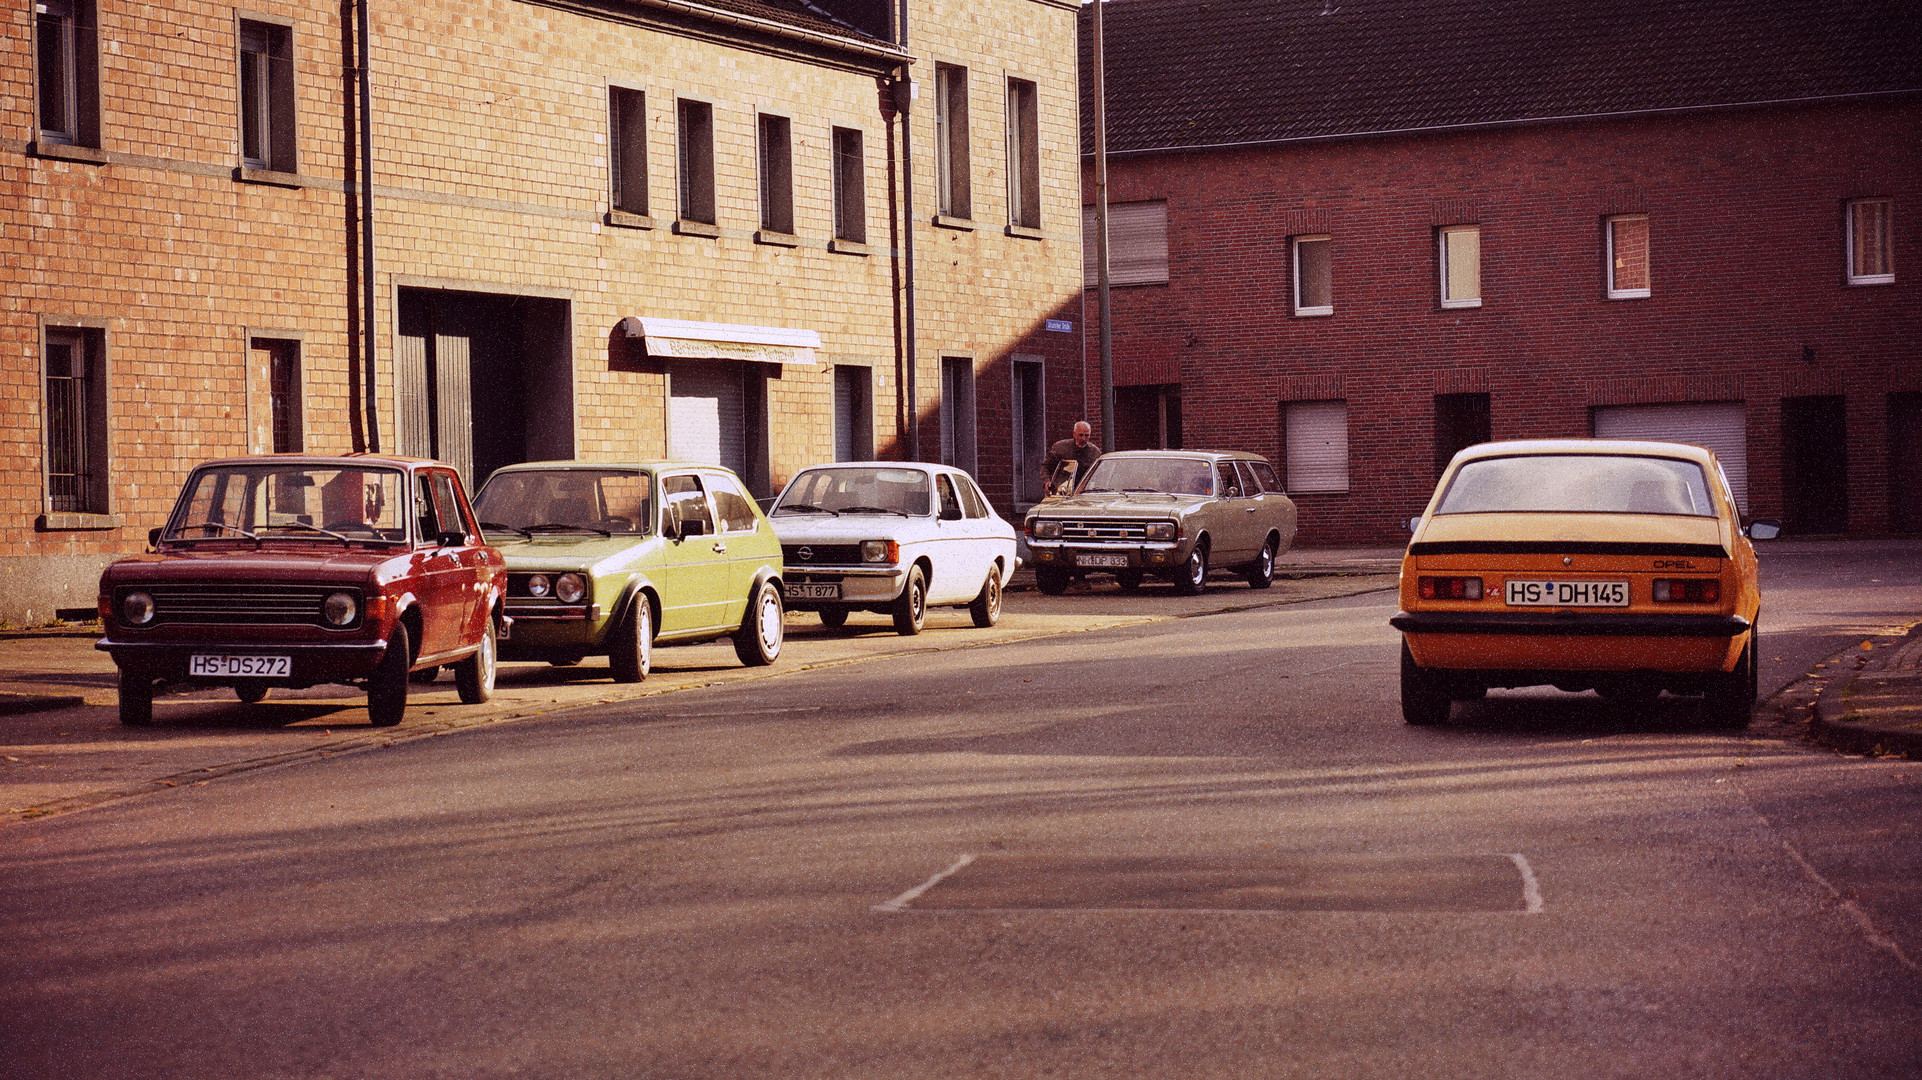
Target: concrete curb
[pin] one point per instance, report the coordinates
(15, 704)
(1836, 721)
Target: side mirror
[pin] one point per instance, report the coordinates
(1414, 523)
(1763, 529)
(153, 538)
(452, 538)
(691, 527)
(950, 513)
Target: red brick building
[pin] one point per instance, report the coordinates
(1357, 235)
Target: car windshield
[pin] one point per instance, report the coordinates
(856, 489)
(1175, 476)
(290, 501)
(611, 501)
(1580, 484)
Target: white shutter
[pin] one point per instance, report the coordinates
(1720, 426)
(707, 415)
(1317, 446)
(1137, 245)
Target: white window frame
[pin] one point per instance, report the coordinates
(1852, 236)
(1442, 246)
(1608, 232)
(1294, 254)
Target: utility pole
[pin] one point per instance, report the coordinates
(1101, 232)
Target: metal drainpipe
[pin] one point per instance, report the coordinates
(904, 104)
(368, 323)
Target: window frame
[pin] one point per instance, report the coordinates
(1611, 260)
(1294, 257)
(1444, 248)
(774, 165)
(694, 156)
(953, 160)
(848, 150)
(1024, 153)
(627, 171)
(285, 383)
(1138, 251)
(1885, 240)
(93, 440)
(266, 94)
(77, 57)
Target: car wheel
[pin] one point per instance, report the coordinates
(631, 654)
(387, 686)
(1129, 580)
(1729, 700)
(1424, 700)
(911, 607)
(426, 674)
(833, 618)
(758, 642)
(1194, 573)
(1263, 574)
(986, 608)
(251, 693)
(136, 698)
(1050, 580)
(474, 676)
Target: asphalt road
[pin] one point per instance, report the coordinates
(1198, 847)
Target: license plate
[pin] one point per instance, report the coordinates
(1566, 593)
(811, 590)
(1087, 559)
(213, 665)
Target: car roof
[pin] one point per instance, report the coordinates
(925, 466)
(1600, 447)
(1199, 455)
(361, 460)
(656, 465)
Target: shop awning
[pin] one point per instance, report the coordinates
(681, 339)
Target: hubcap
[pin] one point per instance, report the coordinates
(770, 623)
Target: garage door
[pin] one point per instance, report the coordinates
(707, 415)
(1720, 426)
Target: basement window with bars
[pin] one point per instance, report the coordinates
(75, 420)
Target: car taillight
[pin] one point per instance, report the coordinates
(1687, 590)
(1450, 588)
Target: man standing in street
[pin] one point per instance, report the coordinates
(1069, 460)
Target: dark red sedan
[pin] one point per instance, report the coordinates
(294, 570)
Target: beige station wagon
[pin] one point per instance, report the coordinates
(1176, 514)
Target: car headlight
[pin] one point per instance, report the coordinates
(569, 588)
(1045, 529)
(1162, 530)
(538, 585)
(136, 609)
(880, 551)
(340, 609)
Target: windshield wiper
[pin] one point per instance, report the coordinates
(806, 508)
(213, 525)
(1093, 490)
(871, 510)
(556, 526)
(498, 527)
(343, 538)
(1142, 491)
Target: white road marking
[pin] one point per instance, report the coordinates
(1869, 930)
(900, 903)
(1531, 889)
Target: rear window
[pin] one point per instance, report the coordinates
(1578, 484)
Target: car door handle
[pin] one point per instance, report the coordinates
(720, 549)
(1252, 509)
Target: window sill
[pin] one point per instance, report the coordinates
(1313, 312)
(1450, 305)
(1628, 294)
(684, 227)
(67, 152)
(70, 522)
(621, 219)
(1873, 279)
(776, 239)
(945, 222)
(1025, 232)
(247, 174)
(849, 247)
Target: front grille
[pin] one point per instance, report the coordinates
(251, 605)
(820, 554)
(1110, 531)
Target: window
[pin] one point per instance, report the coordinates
(950, 502)
(266, 96)
(1316, 441)
(957, 412)
(850, 187)
(280, 359)
(1029, 436)
(1627, 257)
(777, 174)
(76, 421)
(684, 501)
(731, 504)
(1461, 421)
(1314, 292)
(1461, 266)
(69, 88)
(1870, 230)
(1024, 155)
(971, 500)
(952, 180)
(697, 161)
(853, 413)
(627, 149)
(1137, 244)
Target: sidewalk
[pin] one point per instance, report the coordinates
(1873, 701)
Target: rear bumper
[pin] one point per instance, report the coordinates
(1569, 624)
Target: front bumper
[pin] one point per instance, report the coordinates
(1148, 556)
(860, 586)
(309, 663)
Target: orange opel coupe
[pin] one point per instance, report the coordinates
(1586, 564)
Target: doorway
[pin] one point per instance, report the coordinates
(1815, 464)
(1905, 461)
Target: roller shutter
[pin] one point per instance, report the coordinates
(1720, 426)
(707, 414)
(1317, 445)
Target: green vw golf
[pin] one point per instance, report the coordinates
(611, 559)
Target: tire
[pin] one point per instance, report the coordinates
(1129, 580)
(1194, 573)
(1729, 700)
(1051, 581)
(758, 642)
(425, 675)
(631, 653)
(251, 693)
(910, 609)
(833, 618)
(474, 676)
(1263, 574)
(986, 607)
(1424, 699)
(387, 686)
(136, 698)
